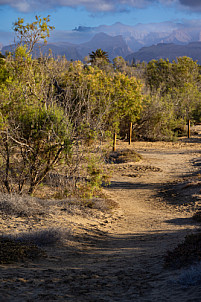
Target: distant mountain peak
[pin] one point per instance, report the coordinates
(106, 37)
(101, 35)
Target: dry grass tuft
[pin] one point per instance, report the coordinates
(36, 208)
(22, 205)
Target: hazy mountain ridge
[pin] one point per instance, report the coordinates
(115, 46)
(141, 41)
(142, 35)
(167, 51)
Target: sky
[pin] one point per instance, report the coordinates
(66, 15)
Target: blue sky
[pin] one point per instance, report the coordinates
(68, 14)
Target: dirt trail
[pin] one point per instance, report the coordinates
(120, 258)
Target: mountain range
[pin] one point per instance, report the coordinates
(142, 42)
(114, 46)
(167, 51)
(142, 35)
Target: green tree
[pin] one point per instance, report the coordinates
(158, 75)
(100, 101)
(158, 120)
(100, 59)
(127, 101)
(31, 33)
(3, 69)
(33, 140)
(179, 83)
(35, 134)
(98, 54)
(185, 86)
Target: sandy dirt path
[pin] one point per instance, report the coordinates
(121, 256)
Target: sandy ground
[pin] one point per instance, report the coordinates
(119, 256)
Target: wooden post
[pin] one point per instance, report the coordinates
(114, 141)
(189, 127)
(130, 133)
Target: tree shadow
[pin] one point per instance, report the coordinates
(192, 139)
(119, 185)
(182, 221)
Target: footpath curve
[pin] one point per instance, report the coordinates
(120, 258)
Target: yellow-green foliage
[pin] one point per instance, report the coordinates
(103, 99)
(33, 32)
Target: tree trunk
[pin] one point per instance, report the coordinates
(114, 142)
(130, 133)
(189, 126)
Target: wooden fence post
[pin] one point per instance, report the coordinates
(114, 141)
(189, 128)
(130, 133)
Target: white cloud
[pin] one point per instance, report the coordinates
(22, 6)
(90, 5)
(96, 6)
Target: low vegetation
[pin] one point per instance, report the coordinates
(197, 216)
(123, 156)
(41, 238)
(12, 251)
(186, 253)
(22, 206)
(190, 276)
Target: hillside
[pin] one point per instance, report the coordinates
(167, 51)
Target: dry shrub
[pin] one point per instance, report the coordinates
(26, 246)
(12, 251)
(61, 184)
(190, 277)
(85, 207)
(82, 180)
(123, 156)
(197, 216)
(45, 237)
(22, 205)
(185, 253)
(31, 207)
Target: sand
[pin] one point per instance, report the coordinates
(118, 255)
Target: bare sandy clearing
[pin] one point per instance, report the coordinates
(118, 256)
